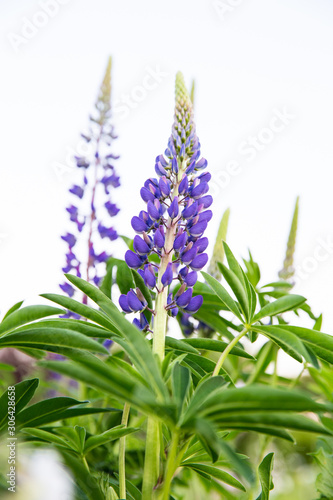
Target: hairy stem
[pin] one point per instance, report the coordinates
(171, 465)
(152, 454)
(227, 350)
(122, 448)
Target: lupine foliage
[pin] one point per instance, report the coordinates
(202, 394)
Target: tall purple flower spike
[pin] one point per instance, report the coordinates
(99, 178)
(176, 217)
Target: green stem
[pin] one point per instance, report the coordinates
(227, 350)
(122, 448)
(152, 453)
(171, 466)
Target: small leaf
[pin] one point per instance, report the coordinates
(218, 474)
(107, 436)
(286, 303)
(222, 293)
(26, 315)
(265, 473)
(181, 381)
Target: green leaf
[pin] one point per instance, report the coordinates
(181, 381)
(44, 411)
(217, 474)
(124, 278)
(107, 436)
(26, 315)
(83, 479)
(47, 436)
(106, 285)
(214, 320)
(81, 309)
(14, 308)
(50, 339)
(286, 303)
(222, 293)
(265, 476)
(238, 288)
(203, 391)
(83, 327)
(179, 345)
(216, 345)
(285, 420)
(24, 391)
(255, 398)
(285, 339)
(320, 343)
(137, 348)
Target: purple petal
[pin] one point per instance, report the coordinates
(184, 299)
(174, 208)
(167, 276)
(146, 194)
(199, 262)
(134, 303)
(140, 246)
(206, 201)
(195, 304)
(191, 278)
(198, 229)
(132, 260)
(138, 225)
(123, 302)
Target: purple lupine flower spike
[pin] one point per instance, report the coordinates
(174, 221)
(98, 179)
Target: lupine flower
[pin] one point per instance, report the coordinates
(98, 179)
(174, 220)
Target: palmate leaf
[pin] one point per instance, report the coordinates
(320, 343)
(261, 409)
(25, 315)
(138, 347)
(109, 379)
(286, 340)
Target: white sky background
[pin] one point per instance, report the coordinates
(262, 55)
